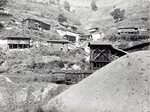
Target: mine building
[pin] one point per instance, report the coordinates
(70, 38)
(18, 42)
(36, 24)
(102, 54)
(70, 76)
(93, 30)
(85, 37)
(58, 45)
(127, 30)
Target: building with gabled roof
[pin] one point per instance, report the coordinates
(128, 30)
(14, 42)
(58, 45)
(36, 23)
(102, 54)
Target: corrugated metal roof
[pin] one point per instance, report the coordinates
(58, 41)
(73, 71)
(17, 37)
(43, 20)
(108, 45)
(99, 43)
(128, 28)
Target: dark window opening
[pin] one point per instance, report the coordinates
(18, 46)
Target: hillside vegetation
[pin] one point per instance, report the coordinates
(27, 8)
(136, 13)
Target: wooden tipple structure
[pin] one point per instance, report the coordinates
(102, 54)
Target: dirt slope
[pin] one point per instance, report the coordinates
(122, 86)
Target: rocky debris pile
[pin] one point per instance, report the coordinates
(24, 97)
(121, 86)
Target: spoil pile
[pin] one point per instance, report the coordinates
(24, 97)
(121, 86)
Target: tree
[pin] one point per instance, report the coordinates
(93, 5)
(118, 14)
(62, 18)
(67, 5)
(3, 2)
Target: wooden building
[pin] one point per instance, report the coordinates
(58, 45)
(70, 38)
(93, 30)
(101, 54)
(127, 30)
(76, 76)
(18, 42)
(70, 76)
(36, 24)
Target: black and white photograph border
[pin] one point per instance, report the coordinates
(74, 56)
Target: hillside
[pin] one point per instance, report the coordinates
(29, 8)
(135, 11)
(123, 89)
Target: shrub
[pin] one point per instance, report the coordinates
(67, 5)
(93, 5)
(118, 14)
(127, 37)
(3, 2)
(62, 18)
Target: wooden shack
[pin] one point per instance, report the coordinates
(127, 30)
(18, 42)
(93, 30)
(70, 76)
(101, 54)
(37, 24)
(73, 76)
(58, 45)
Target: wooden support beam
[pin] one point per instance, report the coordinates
(98, 54)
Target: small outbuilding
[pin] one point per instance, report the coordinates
(102, 54)
(58, 45)
(93, 30)
(18, 42)
(37, 24)
(128, 30)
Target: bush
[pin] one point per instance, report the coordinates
(127, 37)
(67, 5)
(3, 2)
(62, 18)
(118, 14)
(93, 5)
